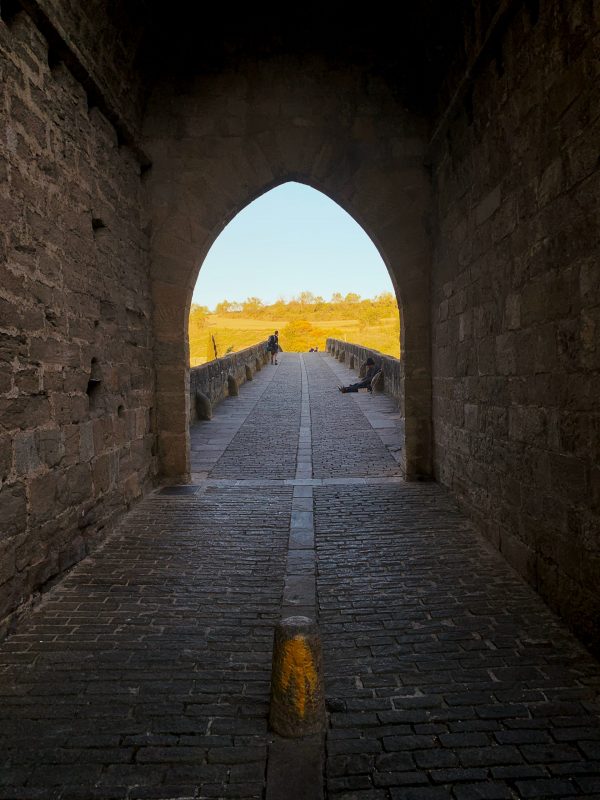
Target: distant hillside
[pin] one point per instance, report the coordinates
(304, 322)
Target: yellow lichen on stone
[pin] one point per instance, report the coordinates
(298, 673)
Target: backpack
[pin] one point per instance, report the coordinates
(271, 341)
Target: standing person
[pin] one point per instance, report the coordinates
(273, 346)
(365, 383)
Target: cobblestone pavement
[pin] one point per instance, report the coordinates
(447, 677)
(344, 442)
(267, 442)
(145, 673)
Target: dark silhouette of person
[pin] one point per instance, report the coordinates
(365, 383)
(273, 346)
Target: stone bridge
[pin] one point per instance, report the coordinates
(145, 673)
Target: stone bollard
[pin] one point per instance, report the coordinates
(258, 365)
(351, 362)
(342, 356)
(232, 387)
(203, 406)
(377, 383)
(249, 375)
(297, 693)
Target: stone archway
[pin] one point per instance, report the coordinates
(227, 139)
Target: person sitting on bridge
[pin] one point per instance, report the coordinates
(373, 371)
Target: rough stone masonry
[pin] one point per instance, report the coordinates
(76, 364)
(463, 138)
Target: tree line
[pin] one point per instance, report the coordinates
(349, 306)
(305, 321)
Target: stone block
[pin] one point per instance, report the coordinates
(569, 477)
(488, 205)
(465, 326)
(76, 485)
(6, 457)
(27, 381)
(26, 457)
(512, 312)
(40, 573)
(72, 553)
(529, 425)
(506, 354)
(550, 182)
(87, 445)
(471, 416)
(43, 495)
(519, 556)
(486, 356)
(8, 561)
(6, 378)
(24, 412)
(13, 509)
(104, 472)
(232, 386)
(70, 408)
(545, 352)
(11, 594)
(203, 406)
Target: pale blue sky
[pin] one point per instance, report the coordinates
(289, 240)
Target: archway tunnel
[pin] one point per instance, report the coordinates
(178, 128)
(463, 139)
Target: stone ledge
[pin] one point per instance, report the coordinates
(216, 379)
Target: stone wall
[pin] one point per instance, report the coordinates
(516, 304)
(100, 41)
(353, 355)
(212, 379)
(76, 363)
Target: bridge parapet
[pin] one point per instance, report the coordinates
(218, 379)
(354, 355)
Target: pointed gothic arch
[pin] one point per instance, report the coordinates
(334, 141)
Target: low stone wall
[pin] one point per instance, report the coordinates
(222, 378)
(354, 355)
